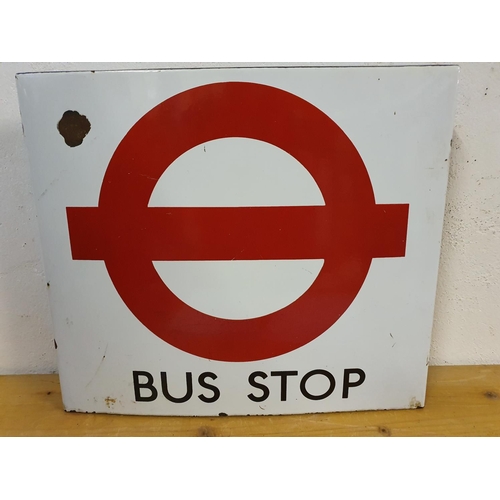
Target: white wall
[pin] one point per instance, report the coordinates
(467, 317)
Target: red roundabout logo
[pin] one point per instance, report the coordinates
(347, 232)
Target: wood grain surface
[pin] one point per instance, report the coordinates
(461, 401)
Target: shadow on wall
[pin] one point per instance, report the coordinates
(450, 241)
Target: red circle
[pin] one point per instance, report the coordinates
(255, 111)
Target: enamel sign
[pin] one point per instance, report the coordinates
(241, 241)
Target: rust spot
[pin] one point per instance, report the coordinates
(491, 395)
(206, 432)
(110, 401)
(415, 404)
(73, 127)
(385, 431)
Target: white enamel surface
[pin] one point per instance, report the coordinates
(235, 172)
(239, 289)
(400, 120)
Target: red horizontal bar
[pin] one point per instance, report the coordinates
(243, 233)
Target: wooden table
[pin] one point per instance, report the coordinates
(461, 401)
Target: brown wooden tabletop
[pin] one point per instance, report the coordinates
(461, 401)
